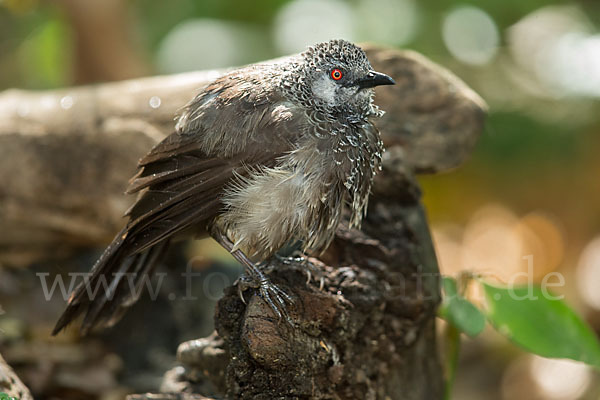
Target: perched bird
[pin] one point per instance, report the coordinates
(264, 156)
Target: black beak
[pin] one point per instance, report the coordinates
(375, 79)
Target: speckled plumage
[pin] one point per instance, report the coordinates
(267, 155)
(332, 161)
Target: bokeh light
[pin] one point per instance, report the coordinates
(470, 35)
(537, 378)
(558, 46)
(302, 23)
(588, 273)
(387, 21)
(191, 46)
(560, 379)
(498, 244)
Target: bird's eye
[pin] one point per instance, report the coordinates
(336, 74)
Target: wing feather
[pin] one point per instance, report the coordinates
(237, 124)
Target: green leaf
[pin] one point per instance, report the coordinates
(540, 323)
(449, 285)
(459, 311)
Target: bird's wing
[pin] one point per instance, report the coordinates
(238, 123)
(241, 112)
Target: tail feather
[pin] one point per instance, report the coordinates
(180, 189)
(115, 284)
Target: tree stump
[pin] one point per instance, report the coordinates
(368, 333)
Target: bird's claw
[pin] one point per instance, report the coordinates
(243, 283)
(275, 297)
(291, 260)
(307, 267)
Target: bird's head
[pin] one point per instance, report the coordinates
(336, 77)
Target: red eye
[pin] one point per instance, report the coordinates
(336, 74)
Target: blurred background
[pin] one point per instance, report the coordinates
(525, 205)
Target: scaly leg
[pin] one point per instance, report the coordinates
(275, 297)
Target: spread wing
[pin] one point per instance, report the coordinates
(239, 122)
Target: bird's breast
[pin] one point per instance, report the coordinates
(303, 196)
(274, 206)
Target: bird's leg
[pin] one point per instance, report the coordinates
(275, 297)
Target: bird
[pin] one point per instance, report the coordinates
(264, 156)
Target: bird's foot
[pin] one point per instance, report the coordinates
(301, 262)
(273, 295)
